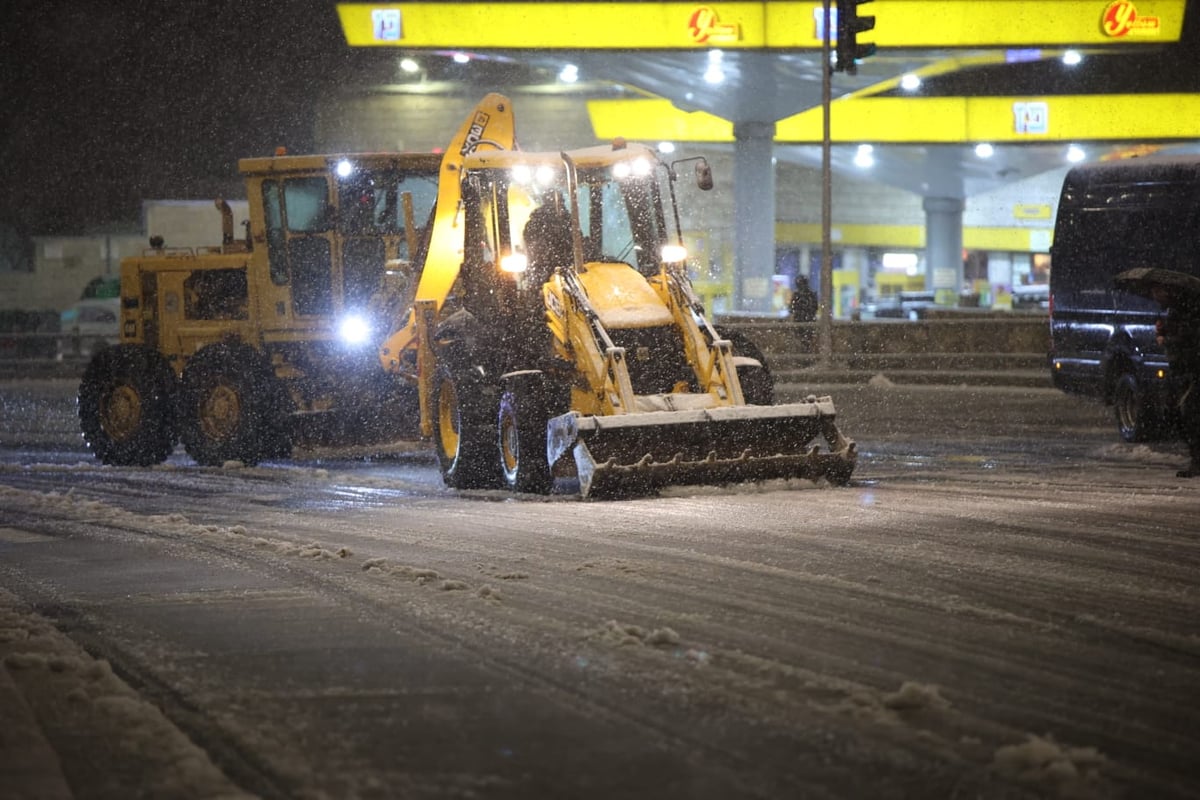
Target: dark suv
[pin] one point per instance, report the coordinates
(1138, 212)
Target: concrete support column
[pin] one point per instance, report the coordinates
(754, 216)
(943, 243)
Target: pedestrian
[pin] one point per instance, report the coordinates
(804, 303)
(1178, 331)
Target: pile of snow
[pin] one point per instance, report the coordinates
(108, 736)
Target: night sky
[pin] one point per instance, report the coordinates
(106, 104)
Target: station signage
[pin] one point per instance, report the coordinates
(705, 27)
(1031, 118)
(1121, 18)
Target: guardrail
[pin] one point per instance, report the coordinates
(46, 355)
(965, 344)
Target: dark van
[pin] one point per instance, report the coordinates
(1137, 212)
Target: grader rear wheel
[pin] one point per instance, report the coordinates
(127, 406)
(232, 407)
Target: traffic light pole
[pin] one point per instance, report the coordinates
(825, 320)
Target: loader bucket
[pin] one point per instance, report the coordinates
(638, 453)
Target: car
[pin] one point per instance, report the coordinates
(89, 325)
(1031, 297)
(1113, 217)
(902, 305)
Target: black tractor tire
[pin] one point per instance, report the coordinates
(232, 407)
(127, 406)
(1136, 422)
(522, 434)
(758, 384)
(464, 421)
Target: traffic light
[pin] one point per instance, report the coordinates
(849, 25)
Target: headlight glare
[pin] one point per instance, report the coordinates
(354, 329)
(673, 253)
(514, 262)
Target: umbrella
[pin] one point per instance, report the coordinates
(1143, 280)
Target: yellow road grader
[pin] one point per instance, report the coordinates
(538, 324)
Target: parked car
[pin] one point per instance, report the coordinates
(1115, 216)
(902, 305)
(90, 325)
(1031, 297)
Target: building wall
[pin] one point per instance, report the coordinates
(1015, 219)
(190, 223)
(391, 122)
(64, 265)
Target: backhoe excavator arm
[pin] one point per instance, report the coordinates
(490, 126)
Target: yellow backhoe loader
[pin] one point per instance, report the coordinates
(555, 332)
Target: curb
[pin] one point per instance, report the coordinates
(29, 766)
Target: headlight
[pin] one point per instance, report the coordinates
(354, 329)
(673, 253)
(514, 262)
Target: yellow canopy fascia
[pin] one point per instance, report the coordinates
(1018, 240)
(761, 25)
(933, 120)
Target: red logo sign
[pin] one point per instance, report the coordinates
(706, 27)
(1120, 18)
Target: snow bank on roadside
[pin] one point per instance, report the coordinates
(106, 736)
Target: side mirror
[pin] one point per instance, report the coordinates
(704, 178)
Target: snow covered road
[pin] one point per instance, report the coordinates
(1002, 604)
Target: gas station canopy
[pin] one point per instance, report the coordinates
(912, 24)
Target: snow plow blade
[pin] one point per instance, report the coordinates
(640, 452)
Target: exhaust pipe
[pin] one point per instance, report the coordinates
(226, 220)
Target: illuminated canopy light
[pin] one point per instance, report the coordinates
(354, 329)
(522, 173)
(900, 261)
(514, 262)
(545, 174)
(569, 73)
(910, 82)
(1071, 58)
(409, 65)
(715, 73)
(673, 253)
(461, 58)
(1075, 153)
(641, 167)
(666, 147)
(621, 170)
(984, 150)
(864, 157)
(344, 168)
